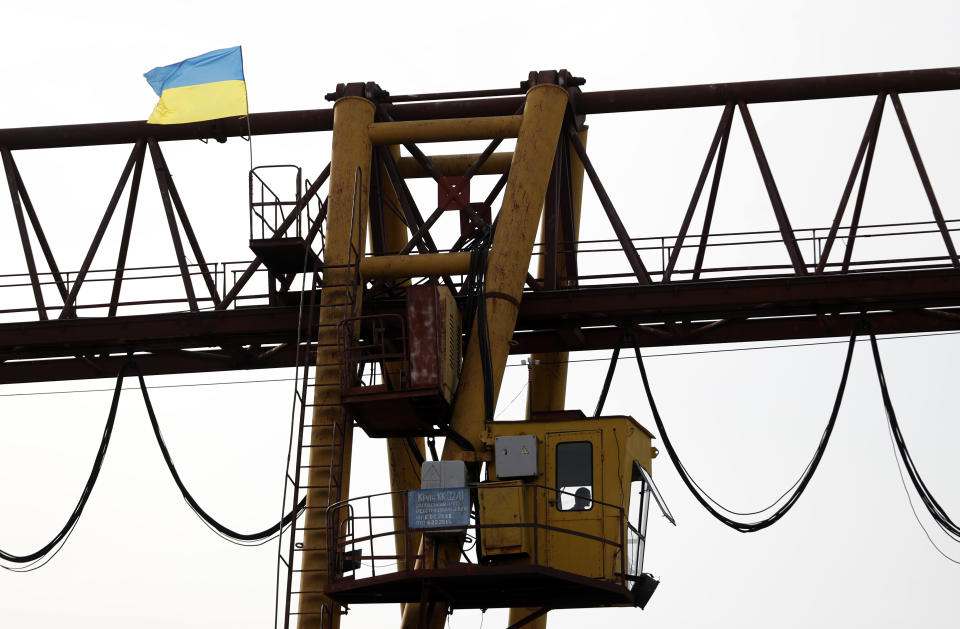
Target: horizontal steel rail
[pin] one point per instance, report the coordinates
(601, 102)
(718, 311)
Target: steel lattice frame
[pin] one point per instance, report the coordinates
(559, 312)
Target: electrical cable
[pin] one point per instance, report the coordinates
(475, 289)
(913, 509)
(607, 380)
(232, 535)
(43, 554)
(701, 496)
(934, 508)
(84, 495)
(515, 398)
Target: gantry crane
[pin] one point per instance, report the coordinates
(551, 517)
(544, 513)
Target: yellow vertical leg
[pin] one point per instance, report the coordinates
(331, 435)
(548, 376)
(506, 271)
(510, 254)
(548, 382)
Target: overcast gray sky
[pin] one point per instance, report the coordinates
(745, 422)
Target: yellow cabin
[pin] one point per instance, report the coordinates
(581, 485)
(557, 520)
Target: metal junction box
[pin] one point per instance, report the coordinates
(443, 474)
(516, 456)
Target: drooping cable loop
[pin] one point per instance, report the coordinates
(937, 512)
(800, 486)
(25, 562)
(64, 532)
(259, 536)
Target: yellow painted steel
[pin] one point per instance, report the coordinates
(422, 265)
(330, 436)
(510, 254)
(548, 377)
(449, 130)
(506, 271)
(455, 165)
(548, 371)
(571, 541)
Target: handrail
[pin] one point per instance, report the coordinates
(397, 526)
(226, 272)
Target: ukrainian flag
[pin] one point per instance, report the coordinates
(206, 87)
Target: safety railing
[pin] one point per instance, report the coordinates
(367, 539)
(732, 255)
(373, 342)
(267, 209)
(753, 254)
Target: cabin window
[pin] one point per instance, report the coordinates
(575, 476)
(637, 526)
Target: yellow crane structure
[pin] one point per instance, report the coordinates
(544, 513)
(536, 545)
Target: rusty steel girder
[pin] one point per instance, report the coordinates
(611, 101)
(584, 319)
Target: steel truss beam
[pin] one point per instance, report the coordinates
(613, 101)
(580, 319)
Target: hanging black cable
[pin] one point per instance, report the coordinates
(432, 446)
(936, 511)
(206, 517)
(95, 473)
(476, 308)
(415, 452)
(750, 527)
(87, 488)
(607, 380)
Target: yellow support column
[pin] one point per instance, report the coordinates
(506, 271)
(548, 380)
(548, 375)
(510, 254)
(331, 436)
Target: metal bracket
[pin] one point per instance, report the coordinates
(368, 90)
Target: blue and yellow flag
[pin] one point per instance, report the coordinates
(206, 87)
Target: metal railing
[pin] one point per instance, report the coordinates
(364, 341)
(267, 209)
(366, 529)
(157, 289)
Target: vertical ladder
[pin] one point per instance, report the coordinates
(318, 453)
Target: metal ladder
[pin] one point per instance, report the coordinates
(318, 449)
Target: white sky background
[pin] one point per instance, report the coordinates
(849, 554)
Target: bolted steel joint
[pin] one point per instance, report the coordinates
(563, 78)
(368, 90)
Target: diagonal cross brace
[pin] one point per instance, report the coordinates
(639, 270)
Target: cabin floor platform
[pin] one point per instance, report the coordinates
(469, 586)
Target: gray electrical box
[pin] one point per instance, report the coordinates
(443, 474)
(516, 456)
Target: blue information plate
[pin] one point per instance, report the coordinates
(431, 508)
